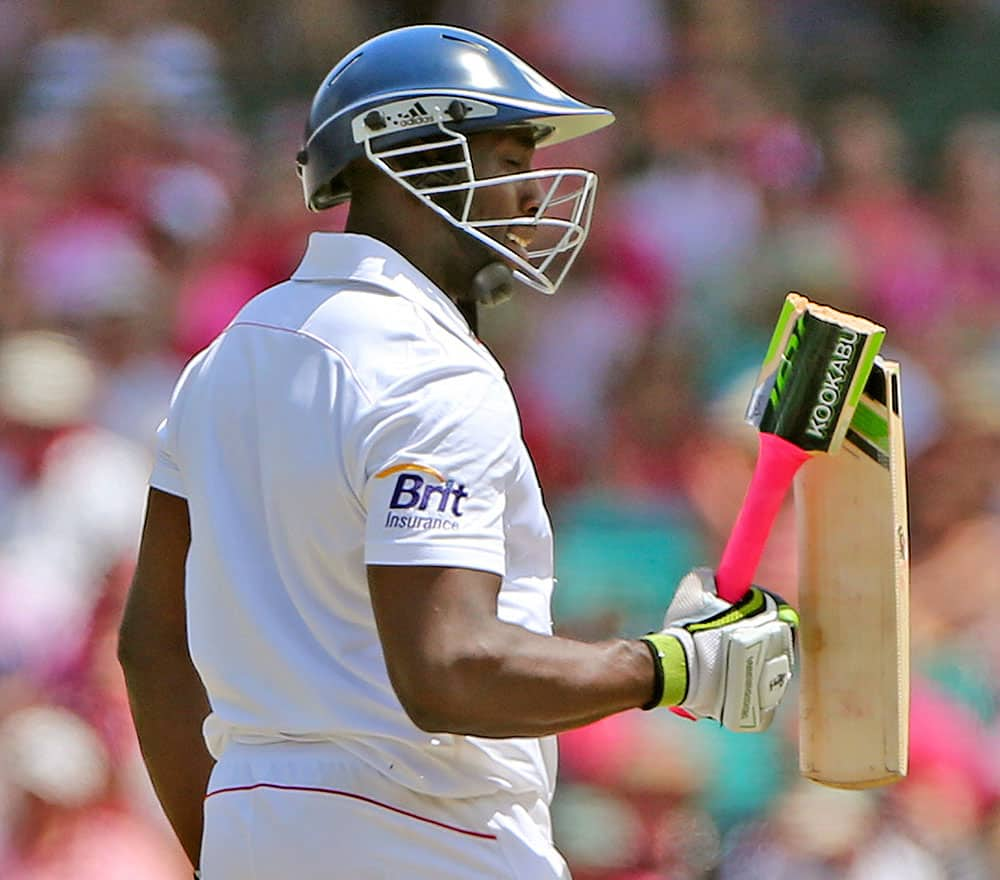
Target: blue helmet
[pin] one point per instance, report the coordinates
(380, 90)
(413, 95)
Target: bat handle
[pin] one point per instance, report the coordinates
(777, 463)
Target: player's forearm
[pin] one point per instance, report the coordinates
(168, 706)
(519, 683)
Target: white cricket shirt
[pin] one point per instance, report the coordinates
(348, 416)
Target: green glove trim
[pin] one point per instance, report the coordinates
(671, 682)
(789, 615)
(746, 607)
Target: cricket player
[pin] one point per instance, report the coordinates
(338, 641)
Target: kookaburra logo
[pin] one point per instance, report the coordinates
(831, 393)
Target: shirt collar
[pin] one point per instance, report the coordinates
(346, 256)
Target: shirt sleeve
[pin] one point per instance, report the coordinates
(436, 474)
(166, 474)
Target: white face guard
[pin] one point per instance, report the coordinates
(540, 247)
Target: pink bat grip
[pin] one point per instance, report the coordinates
(777, 463)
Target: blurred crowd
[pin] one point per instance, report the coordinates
(846, 149)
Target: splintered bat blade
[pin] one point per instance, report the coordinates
(816, 366)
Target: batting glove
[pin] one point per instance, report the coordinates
(728, 662)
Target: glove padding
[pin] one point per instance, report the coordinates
(737, 658)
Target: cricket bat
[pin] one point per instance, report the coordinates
(804, 400)
(853, 598)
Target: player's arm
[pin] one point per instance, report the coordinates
(165, 693)
(456, 668)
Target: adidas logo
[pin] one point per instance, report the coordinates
(416, 115)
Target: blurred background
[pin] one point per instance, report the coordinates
(846, 149)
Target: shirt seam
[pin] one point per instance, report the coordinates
(298, 331)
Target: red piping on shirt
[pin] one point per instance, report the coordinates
(357, 797)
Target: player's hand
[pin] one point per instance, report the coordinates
(728, 662)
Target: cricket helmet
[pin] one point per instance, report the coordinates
(406, 99)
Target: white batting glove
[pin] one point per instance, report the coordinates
(728, 662)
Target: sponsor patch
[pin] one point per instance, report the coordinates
(423, 498)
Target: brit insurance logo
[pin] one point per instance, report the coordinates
(422, 498)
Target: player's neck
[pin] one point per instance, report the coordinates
(415, 238)
(361, 221)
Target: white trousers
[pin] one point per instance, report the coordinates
(311, 811)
